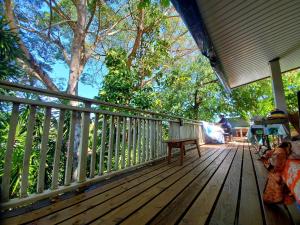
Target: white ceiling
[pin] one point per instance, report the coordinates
(247, 34)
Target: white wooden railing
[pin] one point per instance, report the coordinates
(93, 140)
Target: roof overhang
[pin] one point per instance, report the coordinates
(241, 37)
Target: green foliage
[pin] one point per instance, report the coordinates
(8, 51)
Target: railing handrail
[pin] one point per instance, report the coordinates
(49, 93)
(69, 107)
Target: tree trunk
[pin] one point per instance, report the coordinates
(76, 68)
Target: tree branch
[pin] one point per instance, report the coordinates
(30, 61)
(138, 38)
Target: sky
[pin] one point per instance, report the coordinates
(60, 73)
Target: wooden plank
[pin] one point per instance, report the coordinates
(70, 152)
(83, 146)
(274, 215)
(158, 135)
(43, 152)
(174, 183)
(144, 141)
(27, 152)
(178, 196)
(57, 153)
(249, 202)
(129, 142)
(104, 202)
(111, 143)
(145, 173)
(199, 211)
(102, 151)
(225, 210)
(123, 159)
(94, 147)
(151, 144)
(147, 150)
(117, 146)
(134, 141)
(9, 153)
(139, 140)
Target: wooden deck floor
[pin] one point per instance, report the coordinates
(222, 187)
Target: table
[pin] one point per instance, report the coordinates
(267, 129)
(180, 143)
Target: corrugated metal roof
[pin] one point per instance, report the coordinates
(247, 34)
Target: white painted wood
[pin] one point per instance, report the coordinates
(139, 140)
(111, 143)
(152, 138)
(123, 142)
(27, 152)
(9, 153)
(43, 152)
(147, 140)
(129, 142)
(134, 141)
(57, 153)
(117, 146)
(70, 152)
(277, 86)
(83, 146)
(102, 151)
(94, 147)
(144, 141)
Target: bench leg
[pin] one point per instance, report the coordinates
(198, 148)
(182, 150)
(169, 153)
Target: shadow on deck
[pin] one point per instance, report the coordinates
(224, 186)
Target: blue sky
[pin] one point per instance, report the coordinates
(61, 72)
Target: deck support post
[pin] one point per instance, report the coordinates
(277, 85)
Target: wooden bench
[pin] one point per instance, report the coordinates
(180, 143)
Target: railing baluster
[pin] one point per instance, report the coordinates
(111, 143)
(70, 152)
(134, 141)
(83, 146)
(57, 152)
(123, 143)
(139, 133)
(156, 140)
(27, 153)
(144, 141)
(9, 153)
(102, 151)
(94, 148)
(117, 147)
(147, 139)
(44, 149)
(129, 142)
(151, 127)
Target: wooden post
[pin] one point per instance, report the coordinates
(152, 139)
(134, 141)
(27, 153)
(139, 140)
(123, 143)
(117, 147)
(129, 142)
(144, 141)
(94, 148)
(83, 146)
(44, 149)
(70, 153)
(102, 151)
(147, 140)
(111, 143)
(9, 153)
(57, 152)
